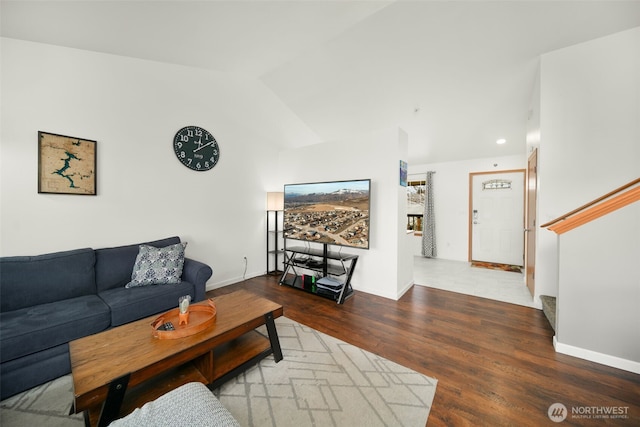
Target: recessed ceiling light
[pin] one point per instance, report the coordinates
(501, 141)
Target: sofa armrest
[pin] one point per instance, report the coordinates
(197, 273)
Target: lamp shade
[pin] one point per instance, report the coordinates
(275, 201)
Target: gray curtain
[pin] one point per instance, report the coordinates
(429, 248)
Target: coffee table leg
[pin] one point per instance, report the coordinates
(273, 337)
(111, 407)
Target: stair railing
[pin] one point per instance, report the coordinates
(614, 200)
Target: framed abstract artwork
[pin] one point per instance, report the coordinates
(66, 165)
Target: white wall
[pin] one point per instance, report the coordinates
(133, 108)
(374, 156)
(451, 192)
(533, 118)
(598, 316)
(403, 246)
(589, 146)
(590, 133)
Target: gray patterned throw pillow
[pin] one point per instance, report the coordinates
(158, 266)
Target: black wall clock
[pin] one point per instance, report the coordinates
(196, 148)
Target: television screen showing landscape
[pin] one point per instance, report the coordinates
(336, 213)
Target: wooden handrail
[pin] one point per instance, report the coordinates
(596, 208)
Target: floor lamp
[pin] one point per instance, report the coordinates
(275, 204)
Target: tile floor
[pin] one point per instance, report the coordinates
(458, 276)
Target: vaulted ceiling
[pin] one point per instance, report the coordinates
(456, 75)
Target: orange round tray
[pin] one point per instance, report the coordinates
(201, 316)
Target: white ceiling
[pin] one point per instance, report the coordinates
(456, 75)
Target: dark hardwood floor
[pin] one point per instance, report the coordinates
(494, 362)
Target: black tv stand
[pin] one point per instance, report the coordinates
(327, 279)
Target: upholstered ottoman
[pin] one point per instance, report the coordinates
(192, 404)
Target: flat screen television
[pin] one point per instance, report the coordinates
(334, 213)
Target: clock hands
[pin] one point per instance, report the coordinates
(198, 143)
(202, 146)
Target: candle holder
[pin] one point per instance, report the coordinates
(183, 303)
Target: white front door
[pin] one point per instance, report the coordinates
(497, 217)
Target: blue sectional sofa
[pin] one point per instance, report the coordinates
(48, 300)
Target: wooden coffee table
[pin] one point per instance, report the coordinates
(118, 370)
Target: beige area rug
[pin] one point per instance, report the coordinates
(320, 382)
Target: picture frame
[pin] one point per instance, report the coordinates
(66, 164)
(403, 173)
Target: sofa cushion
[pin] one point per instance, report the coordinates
(115, 265)
(34, 280)
(128, 305)
(36, 328)
(158, 266)
(34, 369)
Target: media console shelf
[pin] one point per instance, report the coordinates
(275, 240)
(327, 279)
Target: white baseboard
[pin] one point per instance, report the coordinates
(537, 303)
(216, 285)
(404, 290)
(375, 292)
(594, 356)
